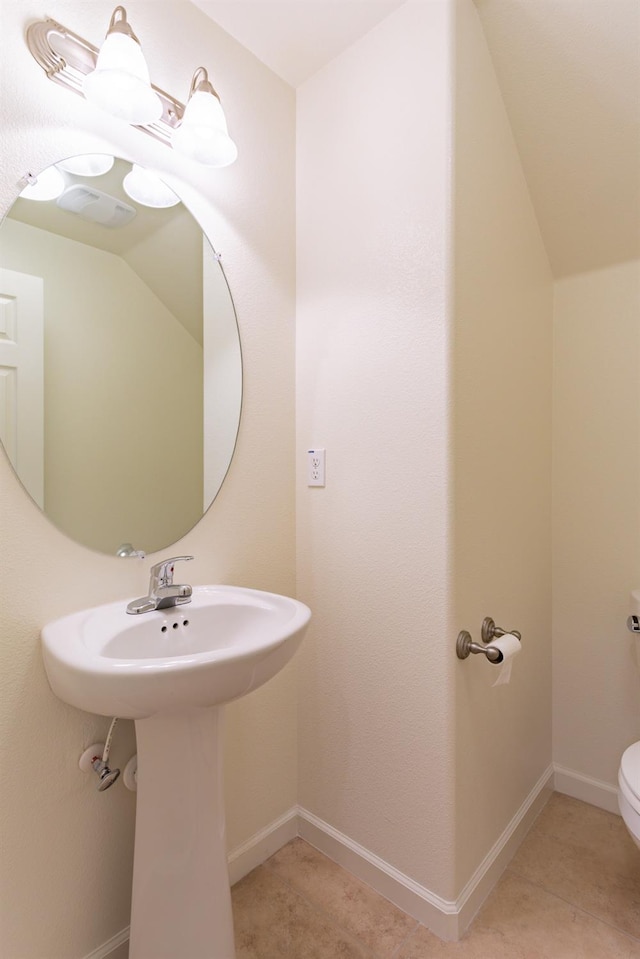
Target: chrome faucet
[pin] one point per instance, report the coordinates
(163, 592)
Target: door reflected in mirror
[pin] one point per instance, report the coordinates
(120, 363)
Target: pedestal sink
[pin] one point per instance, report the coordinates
(171, 671)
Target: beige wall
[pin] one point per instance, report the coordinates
(119, 368)
(596, 521)
(502, 457)
(66, 849)
(376, 747)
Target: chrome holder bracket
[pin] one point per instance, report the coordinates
(465, 646)
(67, 58)
(491, 631)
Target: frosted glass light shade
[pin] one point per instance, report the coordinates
(48, 185)
(120, 83)
(146, 188)
(87, 164)
(203, 135)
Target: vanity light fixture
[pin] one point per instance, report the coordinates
(120, 83)
(117, 79)
(202, 134)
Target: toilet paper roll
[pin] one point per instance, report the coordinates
(509, 645)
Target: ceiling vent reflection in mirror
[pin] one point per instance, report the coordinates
(116, 79)
(94, 205)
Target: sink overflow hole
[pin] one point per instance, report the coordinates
(185, 622)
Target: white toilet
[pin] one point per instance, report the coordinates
(629, 790)
(629, 772)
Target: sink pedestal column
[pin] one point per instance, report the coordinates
(181, 903)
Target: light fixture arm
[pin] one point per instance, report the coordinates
(200, 83)
(120, 24)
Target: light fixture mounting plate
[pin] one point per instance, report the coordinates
(67, 58)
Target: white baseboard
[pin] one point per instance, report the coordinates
(502, 852)
(416, 900)
(109, 947)
(262, 844)
(447, 919)
(594, 791)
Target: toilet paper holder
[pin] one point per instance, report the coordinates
(465, 644)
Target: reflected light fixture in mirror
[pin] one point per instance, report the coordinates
(48, 185)
(146, 188)
(141, 185)
(116, 78)
(120, 83)
(91, 164)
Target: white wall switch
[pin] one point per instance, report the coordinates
(315, 468)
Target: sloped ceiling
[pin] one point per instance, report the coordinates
(569, 71)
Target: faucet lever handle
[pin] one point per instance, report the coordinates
(162, 573)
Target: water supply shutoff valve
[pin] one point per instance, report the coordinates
(92, 759)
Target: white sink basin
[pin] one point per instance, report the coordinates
(224, 643)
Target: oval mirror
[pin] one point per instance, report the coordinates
(120, 364)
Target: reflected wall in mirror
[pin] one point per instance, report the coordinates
(120, 364)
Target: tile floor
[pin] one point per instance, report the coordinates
(571, 892)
